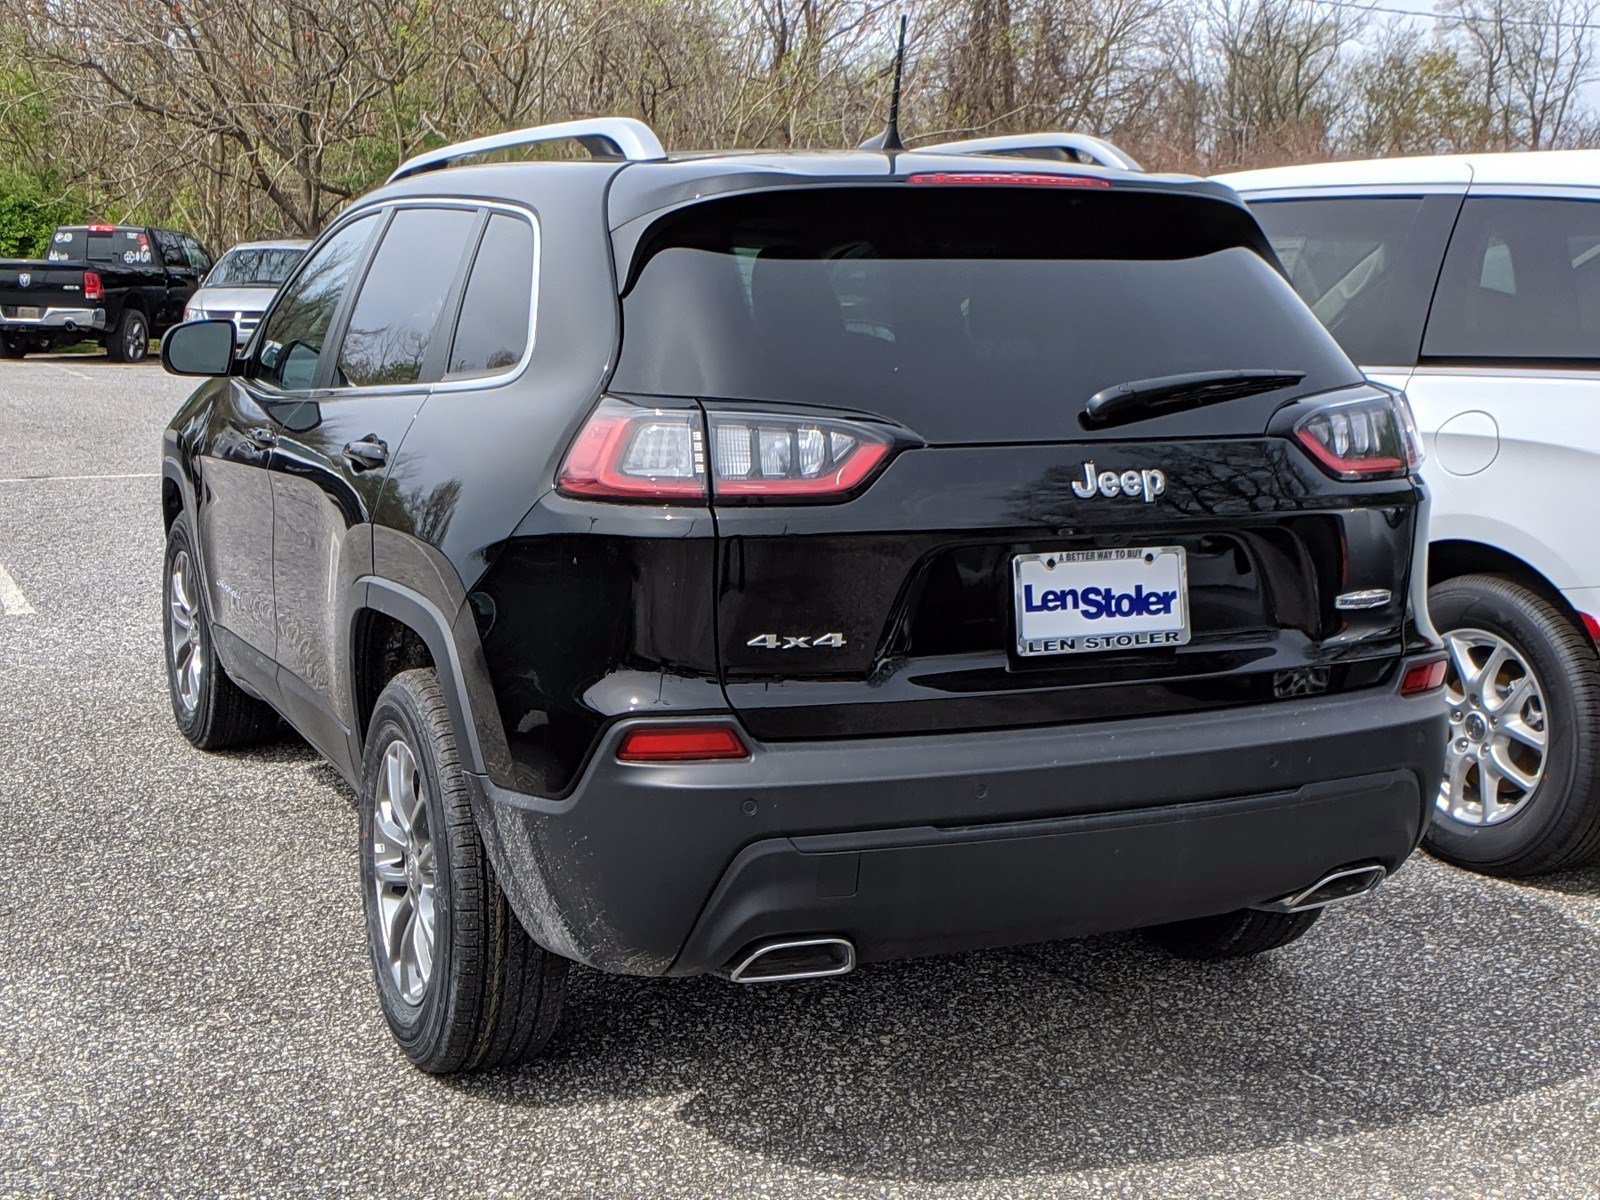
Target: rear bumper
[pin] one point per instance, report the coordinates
(918, 845)
(54, 320)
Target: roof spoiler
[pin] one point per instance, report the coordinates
(620, 139)
(1058, 146)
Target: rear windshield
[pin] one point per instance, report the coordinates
(963, 312)
(127, 247)
(254, 266)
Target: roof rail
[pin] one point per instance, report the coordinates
(604, 137)
(1041, 145)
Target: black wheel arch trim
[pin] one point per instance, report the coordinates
(418, 612)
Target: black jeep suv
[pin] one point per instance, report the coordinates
(761, 563)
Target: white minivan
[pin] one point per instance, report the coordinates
(1473, 282)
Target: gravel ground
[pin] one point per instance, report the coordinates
(185, 1005)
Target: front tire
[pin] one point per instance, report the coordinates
(1521, 794)
(211, 710)
(461, 984)
(1232, 935)
(130, 340)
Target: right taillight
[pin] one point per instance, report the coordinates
(93, 288)
(1369, 437)
(627, 452)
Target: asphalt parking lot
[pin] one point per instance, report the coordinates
(185, 1005)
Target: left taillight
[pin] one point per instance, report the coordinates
(626, 452)
(93, 287)
(1369, 437)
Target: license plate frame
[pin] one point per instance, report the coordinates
(26, 312)
(1152, 578)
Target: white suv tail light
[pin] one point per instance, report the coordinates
(1370, 437)
(625, 452)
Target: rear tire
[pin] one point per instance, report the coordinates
(1556, 824)
(1232, 935)
(461, 984)
(130, 340)
(211, 710)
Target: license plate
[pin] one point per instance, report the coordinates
(27, 314)
(1077, 602)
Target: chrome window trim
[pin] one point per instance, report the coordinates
(377, 207)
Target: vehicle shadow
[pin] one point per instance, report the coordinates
(1584, 881)
(1425, 999)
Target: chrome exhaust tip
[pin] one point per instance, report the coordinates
(796, 958)
(1344, 884)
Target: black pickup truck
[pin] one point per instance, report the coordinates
(119, 285)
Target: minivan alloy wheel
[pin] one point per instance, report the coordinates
(1499, 733)
(183, 618)
(405, 873)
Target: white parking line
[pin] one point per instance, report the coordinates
(12, 602)
(79, 478)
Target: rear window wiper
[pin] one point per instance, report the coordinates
(1140, 399)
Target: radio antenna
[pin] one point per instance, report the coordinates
(889, 139)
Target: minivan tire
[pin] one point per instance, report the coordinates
(1557, 825)
(1232, 935)
(491, 997)
(130, 340)
(212, 712)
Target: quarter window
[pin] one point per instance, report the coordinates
(292, 343)
(1365, 265)
(1521, 281)
(398, 307)
(492, 332)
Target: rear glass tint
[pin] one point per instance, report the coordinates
(123, 247)
(977, 313)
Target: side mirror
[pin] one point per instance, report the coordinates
(198, 348)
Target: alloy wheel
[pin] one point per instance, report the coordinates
(1499, 732)
(137, 340)
(186, 649)
(405, 873)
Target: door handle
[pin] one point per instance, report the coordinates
(366, 453)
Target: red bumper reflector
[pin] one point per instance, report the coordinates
(681, 743)
(1423, 677)
(1592, 624)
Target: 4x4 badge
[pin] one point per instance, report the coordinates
(1145, 483)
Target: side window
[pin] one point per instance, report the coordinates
(1364, 265)
(398, 307)
(492, 332)
(172, 252)
(198, 258)
(1521, 281)
(291, 345)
